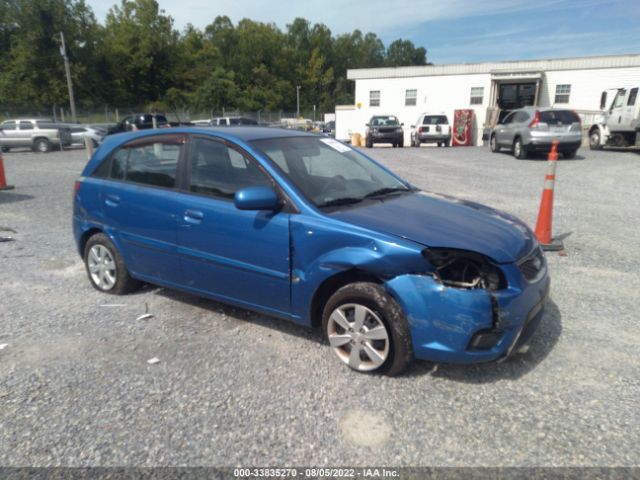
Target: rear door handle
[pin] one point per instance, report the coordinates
(193, 217)
(112, 200)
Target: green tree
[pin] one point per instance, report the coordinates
(403, 52)
(142, 51)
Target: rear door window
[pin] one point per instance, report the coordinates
(153, 163)
(26, 126)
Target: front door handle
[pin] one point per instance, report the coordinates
(193, 217)
(112, 200)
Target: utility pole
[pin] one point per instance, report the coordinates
(298, 101)
(67, 69)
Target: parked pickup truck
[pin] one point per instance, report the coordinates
(40, 135)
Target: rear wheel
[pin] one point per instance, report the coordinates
(417, 142)
(5, 149)
(518, 149)
(493, 144)
(106, 268)
(401, 143)
(594, 140)
(41, 145)
(439, 144)
(367, 330)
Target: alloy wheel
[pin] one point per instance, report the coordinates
(358, 336)
(102, 267)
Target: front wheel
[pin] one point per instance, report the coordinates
(594, 140)
(401, 144)
(368, 143)
(367, 330)
(569, 154)
(106, 268)
(518, 149)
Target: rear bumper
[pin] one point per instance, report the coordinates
(449, 325)
(427, 137)
(545, 145)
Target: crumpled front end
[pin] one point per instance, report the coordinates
(469, 325)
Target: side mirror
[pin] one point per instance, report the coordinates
(367, 125)
(256, 198)
(413, 126)
(402, 124)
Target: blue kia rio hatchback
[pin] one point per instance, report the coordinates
(306, 228)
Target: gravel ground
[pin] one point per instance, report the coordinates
(237, 388)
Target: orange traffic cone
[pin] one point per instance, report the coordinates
(3, 180)
(545, 215)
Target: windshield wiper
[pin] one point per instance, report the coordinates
(386, 191)
(341, 201)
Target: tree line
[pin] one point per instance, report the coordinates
(137, 57)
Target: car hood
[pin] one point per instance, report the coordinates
(435, 220)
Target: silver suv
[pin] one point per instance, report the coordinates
(40, 135)
(533, 129)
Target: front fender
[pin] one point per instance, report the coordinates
(323, 248)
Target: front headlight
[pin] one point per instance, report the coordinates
(464, 269)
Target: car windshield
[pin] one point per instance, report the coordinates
(435, 120)
(330, 173)
(384, 121)
(565, 117)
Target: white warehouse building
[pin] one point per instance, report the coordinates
(489, 89)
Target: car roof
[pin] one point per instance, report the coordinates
(240, 133)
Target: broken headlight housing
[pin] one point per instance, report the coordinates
(464, 269)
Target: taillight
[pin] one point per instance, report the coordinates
(76, 186)
(536, 120)
(419, 129)
(577, 117)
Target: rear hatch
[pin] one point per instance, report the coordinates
(435, 125)
(559, 123)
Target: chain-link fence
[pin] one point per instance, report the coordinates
(111, 115)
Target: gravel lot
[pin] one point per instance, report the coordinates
(237, 388)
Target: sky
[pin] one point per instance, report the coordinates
(452, 31)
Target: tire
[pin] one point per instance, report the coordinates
(401, 144)
(493, 144)
(569, 154)
(594, 140)
(41, 145)
(368, 143)
(388, 349)
(447, 143)
(439, 144)
(5, 149)
(518, 149)
(417, 142)
(105, 267)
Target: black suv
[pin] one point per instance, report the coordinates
(140, 121)
(385, 129)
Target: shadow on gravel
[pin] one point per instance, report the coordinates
(513, 368)
(537, 157)
(11, 197)
(240, 315)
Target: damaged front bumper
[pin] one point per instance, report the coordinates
(452, 325)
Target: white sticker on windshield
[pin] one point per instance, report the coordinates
(336, 145)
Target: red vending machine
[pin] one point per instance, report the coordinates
(462, 135)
